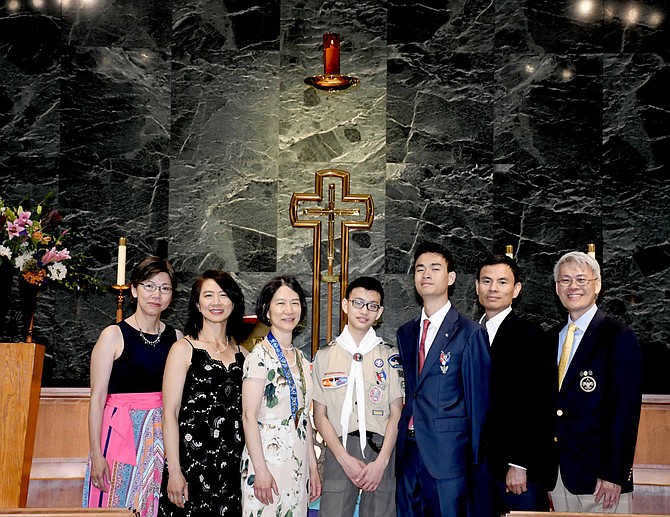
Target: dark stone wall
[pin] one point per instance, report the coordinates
(186, 127)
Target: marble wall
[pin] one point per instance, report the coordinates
(186, 126)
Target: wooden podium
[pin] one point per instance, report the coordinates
(20, 377)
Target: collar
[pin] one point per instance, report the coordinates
(494, 323)
(585, 319)
(438, 317)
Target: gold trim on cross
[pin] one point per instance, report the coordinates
(314, 218)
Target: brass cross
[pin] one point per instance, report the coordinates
(331, 211)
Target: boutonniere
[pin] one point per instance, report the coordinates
(444, 361)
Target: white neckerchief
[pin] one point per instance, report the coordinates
(368, 343)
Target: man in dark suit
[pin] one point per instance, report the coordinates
(447, 367)
(520, 393)
(597, 396)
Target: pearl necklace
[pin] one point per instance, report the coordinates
(295, 356)
(144, 338)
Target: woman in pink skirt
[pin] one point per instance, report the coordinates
(125, 416)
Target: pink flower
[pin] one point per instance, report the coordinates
(54, 255)
(24, 218)
(15, 228)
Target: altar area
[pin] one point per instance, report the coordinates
(61, 447)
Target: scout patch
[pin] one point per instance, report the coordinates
(376, 394)
(377, 412)
(381, 376)
(394, 361)
(379, 362)
(334, 381)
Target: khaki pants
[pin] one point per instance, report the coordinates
(564, 501)
(339, 494)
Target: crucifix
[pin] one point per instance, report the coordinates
(351, 219)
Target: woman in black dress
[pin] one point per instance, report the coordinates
(202, 399)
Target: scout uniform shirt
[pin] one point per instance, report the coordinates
(383, 379)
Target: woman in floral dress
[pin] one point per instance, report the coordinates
(202, 398)
(279, 471)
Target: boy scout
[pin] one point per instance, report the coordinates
(357, 403)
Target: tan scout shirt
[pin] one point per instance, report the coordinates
(383, 377)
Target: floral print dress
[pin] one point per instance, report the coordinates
(210, 438)
(284, 445)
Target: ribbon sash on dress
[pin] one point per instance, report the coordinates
(122, 442)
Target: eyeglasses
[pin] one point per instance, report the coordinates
(580, 281)
(150, 288)
(359, 304)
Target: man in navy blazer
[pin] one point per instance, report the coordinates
(439, 445)
(597, 396)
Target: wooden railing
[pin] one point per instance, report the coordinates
(61, 449)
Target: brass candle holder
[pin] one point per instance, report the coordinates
(120, 297)
(331, 80)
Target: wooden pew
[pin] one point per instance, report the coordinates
(651, 471)
(61, 448)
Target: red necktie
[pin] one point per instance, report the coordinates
(422, 344)
(422, 358)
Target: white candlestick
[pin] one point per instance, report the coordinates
(121, 271)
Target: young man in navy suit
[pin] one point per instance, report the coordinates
(597, 396)
(447, 366)
(520, 394)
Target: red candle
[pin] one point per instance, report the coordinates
(331, 53)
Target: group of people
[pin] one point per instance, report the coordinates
(462, 418)
(502, 416)
(192, 424)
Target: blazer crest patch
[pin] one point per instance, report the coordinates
(587, 382)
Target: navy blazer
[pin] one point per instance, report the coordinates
(521, 393)
(597, 410)
(450, 399)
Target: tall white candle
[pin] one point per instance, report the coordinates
(121, 271)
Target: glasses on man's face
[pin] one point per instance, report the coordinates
(150, 288)
(580, 281)
(359, 304)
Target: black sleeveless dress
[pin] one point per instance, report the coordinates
(211, 438)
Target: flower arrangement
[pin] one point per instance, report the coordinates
(35, 240)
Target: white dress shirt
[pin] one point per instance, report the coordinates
(435, 322)
(494, 323)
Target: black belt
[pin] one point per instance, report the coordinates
(373, 438)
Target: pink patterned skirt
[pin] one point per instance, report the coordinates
(132, 443)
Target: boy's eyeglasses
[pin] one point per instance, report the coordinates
(359, 304)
